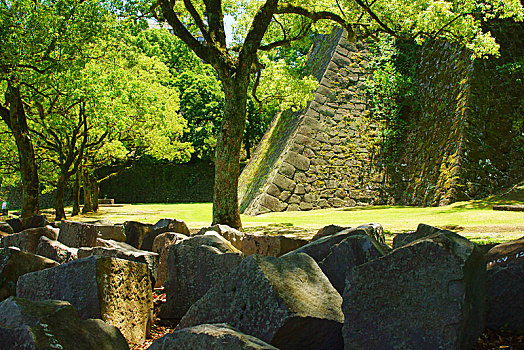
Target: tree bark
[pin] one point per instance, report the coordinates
(227, 157)
(17, 123)
(76, 194)
(95, 190)
(88, 203)
(59, 197)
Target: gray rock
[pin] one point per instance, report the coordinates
(124, 251)
(77, 234)
(53, 324)
(56, 251)
(135, 232)
(429, 294)
(106, 230)
(328, 231)
(6, 228)
(161, 246)
(115, 290)
(209, 336)
(20, 224)
(422, 231)
(505, 285)
(27, 240)
(15, 263)
(163, 225)
(195, 265)
(299, 161)
(287, 302)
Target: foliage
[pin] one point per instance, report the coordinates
(392, 91)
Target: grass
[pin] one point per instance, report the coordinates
(474, 219)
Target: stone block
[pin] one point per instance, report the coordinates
(195, 265)
(287, 302)
(270, 202)
(55, 250)
(27, 240)
(422, 231)
(163, 225)
(429, 294)
(114, 290)
(299, 161)
(273, 190)
(284, 183)
(135, 232)
(53, 324)
(20, 224)
(220, 336)
(287, 169)
(77, 234)
(15, 263)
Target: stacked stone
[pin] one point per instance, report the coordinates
(326, 162)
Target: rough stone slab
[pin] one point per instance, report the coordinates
(115, 290)
(135, 232)
(15, 263)
(505, 284)
(56, 251)
(77, 234)
(161, 246)
(287, 169)
(20, 224)
(107, 230)
(287, 302)
(163, 225)
(195, 265)
(27, 240)
(284, 183)
(220, 336)
(422, 231)
(299, 161)
(53, 324)
(429, 294)
(271, 202)
(124, 251)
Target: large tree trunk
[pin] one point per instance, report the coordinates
(95, 191)
(227, 158)
(17, 123)
(88, 203)
(59, 198)
(76, 194)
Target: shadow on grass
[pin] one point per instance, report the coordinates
(377, 207)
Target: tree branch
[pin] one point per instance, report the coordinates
(375, 18)
(198, 20)
(215, 19)
(303, 32)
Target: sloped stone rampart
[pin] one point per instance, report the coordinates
(324, 158)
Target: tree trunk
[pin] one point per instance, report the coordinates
(88, 203)
(76, 194)
(95, 190)
(17, 123)
(227, 155)
(59, 198)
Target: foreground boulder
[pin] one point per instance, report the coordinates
(209, 336)
(195, 265)
(56, 251)
(163, 225)
(505, 280)
(123, 251)
(53, 324)
(135, 232)
(429, 294)
(374, 230)
(77, 234)
(15, 263)
(422, 231)
(161, 246)
(114, 290)
(351, 251)
(287, 302)
(29, 239)
(252, 243)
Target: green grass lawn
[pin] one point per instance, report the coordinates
(474, 219)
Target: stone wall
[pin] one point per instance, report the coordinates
(322, 156)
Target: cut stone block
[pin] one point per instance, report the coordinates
(15, 263)
(56, 251)
(34, 221)
(77, 234)
(429, 294)
(505, 283)
(195, 265)
(124, 251)
(422, 231)
(219, 336)
(135, 232)
(287, 302)
(27, 240)
(161, 246)
(115, 290)
(53, 324)
(107, 230)
(163, 225)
